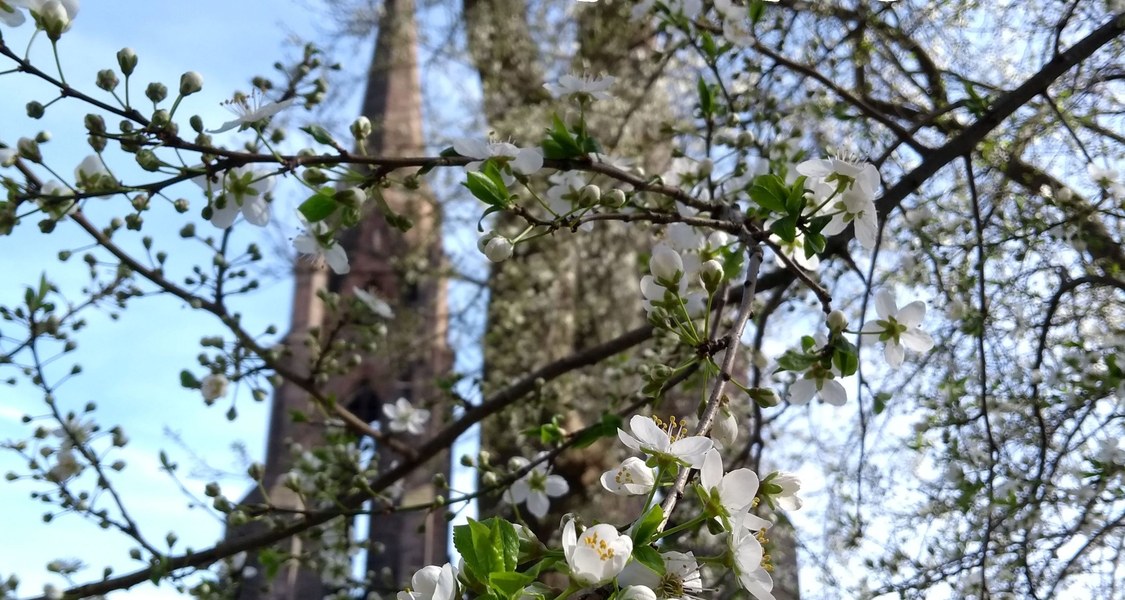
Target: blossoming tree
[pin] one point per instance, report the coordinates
(829, 167)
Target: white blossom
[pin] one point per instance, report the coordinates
(403, 417)
(899, 327)
(239, 190)
(681, 578)
(735, 491)
(536, 488)
(665, 440)
(522, 160)
(214, 386)
(583, 88)
(331, 252)
(596, 556)
(432, 583)
(631, 478)
(249, 109)
(374, 303)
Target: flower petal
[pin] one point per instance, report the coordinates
(917, 340)
(894, 354)
(885, 304)
(912, 314)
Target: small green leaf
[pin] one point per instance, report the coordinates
(786, 228)
(649, 557)
(706, 98)
(319, 206)
(769, 193)
(880, 403)
(796, 362)
(188, 380)
(320, 134)
(485, 189)
(645, 529)
(757, 10)
(507, 584)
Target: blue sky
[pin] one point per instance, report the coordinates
(132, 364)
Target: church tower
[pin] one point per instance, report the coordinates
(406, 269)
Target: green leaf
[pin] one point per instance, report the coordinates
(188, 380)
(319, 206)
(845, 356)
(757, 10)
(645, 529)
(880, 403)
(706, 98)
(795, 197)
(320, 134)
(463, 541)
(786, 228)
(796, 361)
(708, 42)
(509, 585)
(817, 224)
(649, 557)
(507, 541)
(485, 549)
(270, 560)
(608, 427)
(485, 189)
(563, 143)
(815, 243)
(765, 193)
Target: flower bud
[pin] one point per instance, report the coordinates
(196, 123)
(837, 321)
(589, 195)
(8, 157)
(725, 428)
(711, 272)
(53, 19)
(352, 197)
(148, 160)
(706, 166)
(765, 397)
(161, 118)
(361, 128)
(666, 265)
(482, 242)
(637, 592)
(95, 124)
(498, 249)
(127, 60)
(314, 176)
(29, 149)
(156, 92)
(190, 83)
(35, 109)
(614, 198)
(107, 80)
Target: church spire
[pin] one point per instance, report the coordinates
(406, 270)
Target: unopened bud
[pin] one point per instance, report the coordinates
(148, 160)
(837, 321)
(614, 198)
(352, 197)
(711, 272)
(156, 92)
(765, 397)
(498, 249)
(29, 150)
(35, 109)
(315, 176)
(361, 128)
(54, 19)
(190, 83)
(127, 60)
(107, 80)
(95, 124)
(589, 195)
(196, 123)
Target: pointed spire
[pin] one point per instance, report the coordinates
(393, 100)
